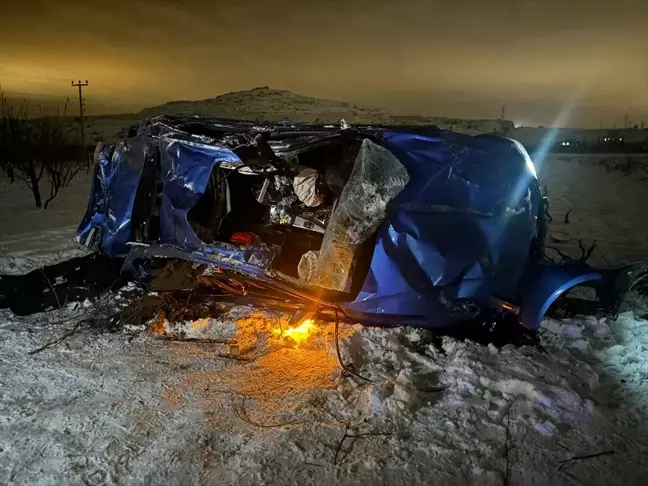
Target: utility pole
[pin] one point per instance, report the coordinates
(626, 121)
(503, 112)
(80, 85)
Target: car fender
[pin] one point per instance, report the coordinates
(543, 285)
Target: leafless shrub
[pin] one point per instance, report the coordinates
(31, 148)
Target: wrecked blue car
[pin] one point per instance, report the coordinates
(381, 225)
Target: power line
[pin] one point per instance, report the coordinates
(97, 99)
(43, 95)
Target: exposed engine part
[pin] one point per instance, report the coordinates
(306, 224)
(319, 216)
(283, 187)
(280, 215)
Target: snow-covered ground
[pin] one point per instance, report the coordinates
(607, 196)
(126, 408)
(31, 237)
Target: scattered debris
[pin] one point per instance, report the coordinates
(56, 341)
(196, 340)
(586, 252)
(581, 458)
(567, 216)
(346, 435)
(58, 302)
(242, 414)
(507, 448)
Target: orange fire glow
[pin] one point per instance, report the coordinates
(298, 334)
(200, 323)
(158, 327)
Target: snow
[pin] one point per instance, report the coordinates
(607, 197)
(32, 238)
(127, 408)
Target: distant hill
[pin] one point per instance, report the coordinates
(270, 105)
(266, 104)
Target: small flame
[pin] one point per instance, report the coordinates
(299, 333)
(159, 325)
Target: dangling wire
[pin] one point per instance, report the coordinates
(337, 349)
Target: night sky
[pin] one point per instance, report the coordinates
(571, 62)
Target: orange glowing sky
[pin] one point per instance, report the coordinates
(581, 62)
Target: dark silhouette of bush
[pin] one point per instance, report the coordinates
(31, 148)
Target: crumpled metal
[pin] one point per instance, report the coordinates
(461, 229)
(116, 175)
(462, 233)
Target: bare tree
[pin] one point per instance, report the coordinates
(31, 148)
(9, 119)
(16, 147)
(63, 156)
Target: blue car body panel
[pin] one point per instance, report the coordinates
(114, 184)
(461, 229)
(186, 170)
(460, 233)
(546, 284)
